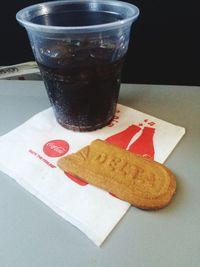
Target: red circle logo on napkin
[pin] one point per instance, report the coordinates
(56, 148)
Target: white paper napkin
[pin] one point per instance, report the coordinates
(30, 152)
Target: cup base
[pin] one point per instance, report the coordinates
(76, 128)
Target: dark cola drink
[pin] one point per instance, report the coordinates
(81, 77)
(84, 90)
(80, 48)
(83, 97)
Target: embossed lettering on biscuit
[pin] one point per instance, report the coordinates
(142, 182)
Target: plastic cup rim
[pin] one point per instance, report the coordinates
(60, 29)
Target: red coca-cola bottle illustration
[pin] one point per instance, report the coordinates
(144, 144)
(122, 139)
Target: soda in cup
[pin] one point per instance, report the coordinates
(80, 47)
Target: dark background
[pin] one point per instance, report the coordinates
(164, 46)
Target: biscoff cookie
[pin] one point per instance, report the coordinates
(142, 182)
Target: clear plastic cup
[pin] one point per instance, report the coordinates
(80, 46)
